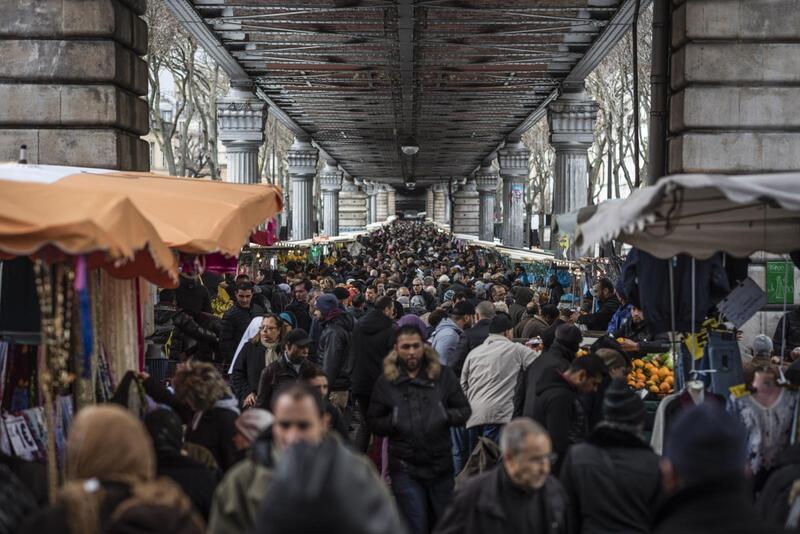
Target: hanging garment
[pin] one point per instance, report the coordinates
(669, 409)
(647, 277)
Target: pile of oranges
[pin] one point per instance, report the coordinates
(653, 373)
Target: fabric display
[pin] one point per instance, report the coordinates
(115, 329)
(20, 386)
(24, 434)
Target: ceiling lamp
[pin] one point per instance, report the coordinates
(409, 146)
(411, 183)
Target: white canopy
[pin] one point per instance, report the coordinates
(698, 215)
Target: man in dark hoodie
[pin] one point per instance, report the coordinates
(558, 356)
(558, 407)
(609, 303)
(372, 341)
(178, 332)
(334, 347)
(613, 480)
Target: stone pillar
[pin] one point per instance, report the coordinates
(372, 202)
(382, 203)
(466, 219)
(486, 181)
(302, 158)
(735, 85)
(72, 82)
(352, 206)
(240, 118)
(448, 204)
(514, 170)
(571, 118)
(330, 182)
(429, 204)
(439, 203)
(391, 200)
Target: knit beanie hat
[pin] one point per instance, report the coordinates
(706, 442)
(570, 336)
(762, 345)
(253, 422)
(622, 406)
(326, 303)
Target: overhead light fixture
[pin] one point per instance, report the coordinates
(409, 146)
(411, 182)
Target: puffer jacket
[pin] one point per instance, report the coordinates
(334, 349)
(489, 377)
(177, 328)
(416, 415)
(370, 343)
(559, 409)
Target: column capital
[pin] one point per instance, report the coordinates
(241, 116)
(349, 185)
(513, 160)
(330, 179)
(572, 118)
(486, 179)
(302, 157)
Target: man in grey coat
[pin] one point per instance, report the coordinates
(450, 330)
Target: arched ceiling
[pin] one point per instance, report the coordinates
(361, 75)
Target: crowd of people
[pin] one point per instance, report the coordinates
(411, 386)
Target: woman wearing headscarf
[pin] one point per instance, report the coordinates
(205, 405)
(110, 482)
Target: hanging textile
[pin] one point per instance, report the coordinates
(117, 327)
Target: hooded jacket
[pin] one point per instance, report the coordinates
(371, 342)
(600, 319)
(559, 410)
(489, 377)
(445, 340)
(416, 415)
(334, 349)
(613, 482)
(558, 356)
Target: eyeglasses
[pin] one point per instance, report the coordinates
(301, 425)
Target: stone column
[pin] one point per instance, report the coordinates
(302, 158)
(429, 204)
(382, 203)
(448, 204)
(514, 170)
(486, 181)
(330, 182)
(439, 203)
(352, 206)
(571, 118)
(372, 202)
(735, 86)
(466, 218)
(241, 116)
(72, 82)
(391, 200)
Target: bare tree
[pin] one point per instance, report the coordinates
(540, 174)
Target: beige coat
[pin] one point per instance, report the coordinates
(489, 377)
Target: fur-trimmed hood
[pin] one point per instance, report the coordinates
(430, 364)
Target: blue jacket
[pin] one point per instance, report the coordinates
(445, 339)
(620, 317)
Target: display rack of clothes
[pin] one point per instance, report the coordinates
(672, 405)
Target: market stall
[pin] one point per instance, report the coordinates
(83, 250)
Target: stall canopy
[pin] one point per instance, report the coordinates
(106, 226)
(190, 215)
(126, 221)
(697, 215)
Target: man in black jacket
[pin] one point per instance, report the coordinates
(519, 495)
(180, 335)
(637, 337)
(613, 480)
(559, 356)
(418, 288)
(703, 472)
(414, 404)
(558, 407)
(293, 366)
(474, 336)
(334, 347)
(192, 296)
(372, 341)
(237, 318)
(299, 304)
(253, 358)
(604, 292)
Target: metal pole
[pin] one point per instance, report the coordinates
(659, 91)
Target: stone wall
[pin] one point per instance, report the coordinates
(72, 80)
